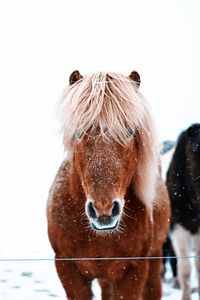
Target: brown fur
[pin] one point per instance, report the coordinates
(102, 170)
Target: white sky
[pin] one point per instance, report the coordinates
(43, 41)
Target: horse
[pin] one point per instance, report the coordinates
(183, 184)
(108, 203)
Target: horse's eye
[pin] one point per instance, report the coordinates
(129, 133)
(78, 135)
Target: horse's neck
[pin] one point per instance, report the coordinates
(132, 201)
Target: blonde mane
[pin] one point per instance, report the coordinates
(109, 103)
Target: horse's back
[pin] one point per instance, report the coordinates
(60, 183)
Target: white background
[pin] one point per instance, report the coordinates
(41, 43)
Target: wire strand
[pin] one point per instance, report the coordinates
(96, 258)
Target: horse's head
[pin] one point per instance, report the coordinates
(193, 144)
(105, 169)
(193, 151)
(108, 126)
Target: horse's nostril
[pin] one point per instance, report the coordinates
(91, 211)
(115, 209)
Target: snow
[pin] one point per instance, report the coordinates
(26, 175)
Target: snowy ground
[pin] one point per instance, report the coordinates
(38, 281)
(27, 169)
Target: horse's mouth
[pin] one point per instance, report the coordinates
(105, 227)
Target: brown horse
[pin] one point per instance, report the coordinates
(108, 200)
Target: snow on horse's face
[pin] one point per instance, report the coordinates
(105, 170)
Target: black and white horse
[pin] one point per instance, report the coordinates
(167, 150)
(183, 183)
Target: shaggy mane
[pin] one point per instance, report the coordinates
(108, 104)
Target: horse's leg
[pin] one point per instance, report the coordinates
(181, 244)
(173, 264)
(106, 289)
(130, 287)
(166, 247)
(153, 286)
(196, 238)
(77, 287)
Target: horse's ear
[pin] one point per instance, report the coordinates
(74, 77)
(135, 77)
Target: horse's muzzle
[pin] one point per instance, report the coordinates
(104, 221)
(107, 227)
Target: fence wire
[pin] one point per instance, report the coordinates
(96, 258)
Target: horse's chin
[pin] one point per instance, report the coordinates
(105, 228)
